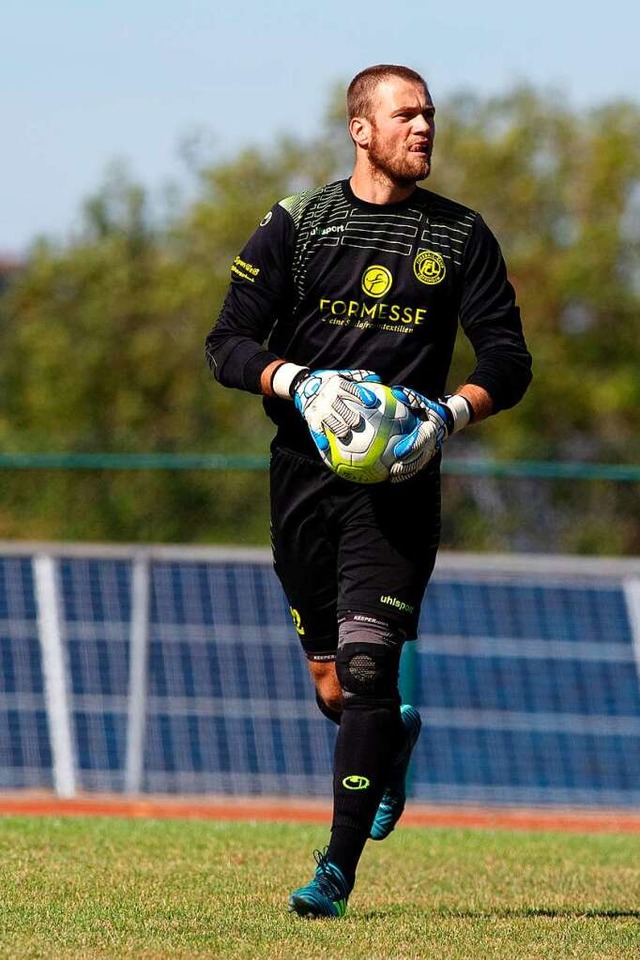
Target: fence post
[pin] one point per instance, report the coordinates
(47, 592)
(631, 590)
(138, 663)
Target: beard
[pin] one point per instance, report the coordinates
(402, 167)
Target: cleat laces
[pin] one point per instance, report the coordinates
(323, 879)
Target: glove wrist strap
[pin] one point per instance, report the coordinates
(286, 378)
(461, 411)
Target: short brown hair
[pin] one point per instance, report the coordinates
(364, 84)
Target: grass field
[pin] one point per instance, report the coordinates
(82, 887)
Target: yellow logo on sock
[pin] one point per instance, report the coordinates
(356, 782)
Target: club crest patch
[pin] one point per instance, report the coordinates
(429, 267)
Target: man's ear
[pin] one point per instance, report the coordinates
(360, 130)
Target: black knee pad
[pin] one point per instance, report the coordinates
(368, 657)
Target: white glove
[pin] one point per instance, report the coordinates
(438, 420)
(319, 396)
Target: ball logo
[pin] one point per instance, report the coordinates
(376, 281)
(356, 782)
(429, 267)
(265, 220)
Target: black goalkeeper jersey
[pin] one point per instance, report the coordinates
(330, 281)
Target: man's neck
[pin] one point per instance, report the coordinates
(379, 189)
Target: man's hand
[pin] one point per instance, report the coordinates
(438, 420)
(320, 397)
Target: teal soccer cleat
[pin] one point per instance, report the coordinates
(391, 806)
(325, 896)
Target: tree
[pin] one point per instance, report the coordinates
(103, 352)
(102, 337)
(562, 191)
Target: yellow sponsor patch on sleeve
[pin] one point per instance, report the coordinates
(246, 271)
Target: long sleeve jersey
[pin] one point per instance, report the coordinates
(330, 281)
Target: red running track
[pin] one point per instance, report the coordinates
(42, 804)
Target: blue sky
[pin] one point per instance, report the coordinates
(86, 82)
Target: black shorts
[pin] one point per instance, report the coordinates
(342, 547)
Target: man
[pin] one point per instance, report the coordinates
(360, 277)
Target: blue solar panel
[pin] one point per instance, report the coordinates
(25, 750)
(528, 685)
(526, 610)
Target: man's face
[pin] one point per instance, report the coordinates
(402, 131)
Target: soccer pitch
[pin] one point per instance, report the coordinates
(112, 888)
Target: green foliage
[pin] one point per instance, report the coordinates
(562, 192)
(101, 338)
(103, 351)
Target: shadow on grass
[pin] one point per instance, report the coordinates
(567, 912)
(507, 913)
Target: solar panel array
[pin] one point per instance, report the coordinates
(525, 673)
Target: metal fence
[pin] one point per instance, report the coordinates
(175, 669)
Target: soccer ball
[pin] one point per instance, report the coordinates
(366, 453)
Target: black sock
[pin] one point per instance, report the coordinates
(333, 715)
(368, 738)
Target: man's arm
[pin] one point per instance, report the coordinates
(282, 384)
(491, 320)
(259, 292)
(478, 399)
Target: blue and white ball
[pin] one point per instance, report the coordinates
(367, 453)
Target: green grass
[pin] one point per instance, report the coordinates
(184, 889)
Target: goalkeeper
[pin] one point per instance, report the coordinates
(367, 276)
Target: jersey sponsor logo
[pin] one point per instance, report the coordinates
(429, 267)
(356, 782)
(358, 313)
(398, 604)
(267, 217)
(326, 231)
(297, 621)
(245, 271)
(376, 281)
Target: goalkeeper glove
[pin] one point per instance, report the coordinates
(438, 420)
(320, 397)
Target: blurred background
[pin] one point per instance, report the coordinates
(143, 144)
